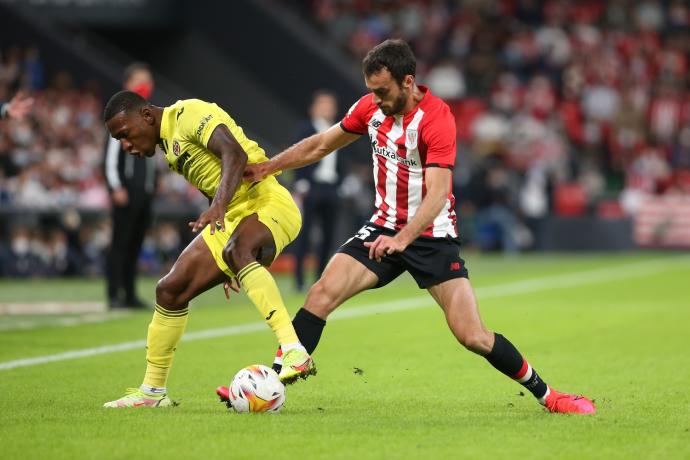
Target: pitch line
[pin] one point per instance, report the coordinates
(47, 308)
(600, 275)
(89, 318)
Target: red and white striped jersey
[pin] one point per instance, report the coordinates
(403, 147)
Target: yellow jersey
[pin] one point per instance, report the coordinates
(186, 128)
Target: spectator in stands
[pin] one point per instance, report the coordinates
(22, 259)
(681, 151)
(17, 108)
(446, 81)
(316, 187)
(491, 190)
(131, 182)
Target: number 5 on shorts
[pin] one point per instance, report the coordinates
(362, 234)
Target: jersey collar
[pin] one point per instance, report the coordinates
(164, 126)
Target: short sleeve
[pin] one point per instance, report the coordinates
(201, 120)
(355, 121)
(439, 135)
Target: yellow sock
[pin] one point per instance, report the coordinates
(264, 294)
(165, 331)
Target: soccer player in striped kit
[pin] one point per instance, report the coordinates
(412, 135)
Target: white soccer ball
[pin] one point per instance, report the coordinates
(257, 388)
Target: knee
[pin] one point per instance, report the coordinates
(266, 254)
(477, 340)
(169, 295)
(237, 254)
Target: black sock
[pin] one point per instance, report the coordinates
(505, 357)
(308, 327)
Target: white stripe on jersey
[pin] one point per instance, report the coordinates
(392, 173)
(378, 116)
(416, 178)
(443, 223)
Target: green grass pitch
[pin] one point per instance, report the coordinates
(614, 327)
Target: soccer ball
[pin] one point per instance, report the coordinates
(256, 388)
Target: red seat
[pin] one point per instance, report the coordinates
(610, 209)
(570, 200)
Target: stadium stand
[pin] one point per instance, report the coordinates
(564, 111)
(583, 103)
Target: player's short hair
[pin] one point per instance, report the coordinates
(123, 101)
(393, 54)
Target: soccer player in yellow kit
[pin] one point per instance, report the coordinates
(244, 229)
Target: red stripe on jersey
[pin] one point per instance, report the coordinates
(403, 180)
(523, 370)
(453, 216)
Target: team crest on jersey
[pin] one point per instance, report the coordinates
(176, 148)
(411, 139)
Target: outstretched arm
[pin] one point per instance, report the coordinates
(306, 151)
(233, 161)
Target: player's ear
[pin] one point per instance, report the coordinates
(408, 81)
(147, 114)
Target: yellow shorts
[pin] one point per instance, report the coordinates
(274, 206)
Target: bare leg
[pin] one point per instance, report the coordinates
(459, 304)
(342, 279)
(194, 272)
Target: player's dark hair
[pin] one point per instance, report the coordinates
(123, 101)
(394, 55)
(133, 68)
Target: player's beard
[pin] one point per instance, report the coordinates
(397, 106)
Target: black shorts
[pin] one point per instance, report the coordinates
(430, 261)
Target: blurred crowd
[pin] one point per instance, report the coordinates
(71, 243)
(51, 176)
(562, 108)
(51, 160)
(565, 108)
